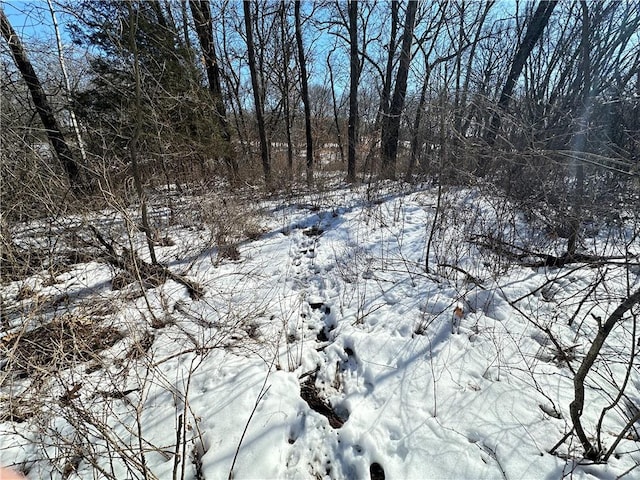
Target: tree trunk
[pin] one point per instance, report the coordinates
(534, 32)
(60, 146)
(257, 97)
(305, 93)
(185, 24)
(336, 112)
(415, 136)
(135, 137)
(287, 86)
(385, 96)
(201, 12)
(67, 85)
(391, 126)
(353, 91)
(580, 138)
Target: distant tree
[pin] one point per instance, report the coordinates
(385, 95)
(462, 91)
(201, 11)
(51, 126)
(286, 84)
(67, 84)
(337, 105)
(581, 133)
(354, 79)
(257, 92)
(391, 123)
(537, 24)
(302, 63)
(432, 33)
(133, 146)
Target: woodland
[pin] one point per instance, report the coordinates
(370, 218)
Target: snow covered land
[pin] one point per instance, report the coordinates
(320, 344)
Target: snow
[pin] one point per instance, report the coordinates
(336, 290)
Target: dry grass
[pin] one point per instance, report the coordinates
(59, 344)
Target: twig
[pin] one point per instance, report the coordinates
(176, 459)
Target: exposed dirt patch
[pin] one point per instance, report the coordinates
(310, 394)
(313, 232)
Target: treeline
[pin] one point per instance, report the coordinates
(542, 96)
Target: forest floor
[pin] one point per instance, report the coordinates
(318, 343)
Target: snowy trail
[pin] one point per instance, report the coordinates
(380, 397)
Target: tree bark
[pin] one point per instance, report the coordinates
(257, 97)
(305, 93)
(353, 91)
(391, 124)
(201, 12)
(54, 134)
(385, 96)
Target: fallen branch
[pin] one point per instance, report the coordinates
(520, 255)
(152, 274)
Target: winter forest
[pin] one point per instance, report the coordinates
(328, 239)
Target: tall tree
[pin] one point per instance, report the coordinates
(580, 138)
(133, 146)
(536, 26)
(201, 11)
(391, 123)
(286, 86)
(432, 31)
(302, 62)
(354, 79)
(385, 96)
(51, 126)
(67, 84)
(257, 95)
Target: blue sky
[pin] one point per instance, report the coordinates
(29, 18)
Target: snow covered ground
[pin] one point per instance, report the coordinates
(325, 350)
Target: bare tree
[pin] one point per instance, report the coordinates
(580, 136)
(336, 105)
(286, 83)
(354, 79)
(391, 123)
(432, 32)
(67, 84)
(385, 96)
(536, 26)
(41, 102)
(577, 405)
(257, 94)
(302, 62)
(201, 11)
(135, 137)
